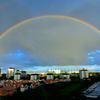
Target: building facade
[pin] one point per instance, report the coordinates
(54, 71)
(65, 75)
(23, 74)
(0, 70)
(6, 91)
(34, 76)
(50, 76)
(17, 76)
(10, 72)
(83, 73)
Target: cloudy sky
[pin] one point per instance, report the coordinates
(50, 42)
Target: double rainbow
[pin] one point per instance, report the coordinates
(7, 4)
(46, 16)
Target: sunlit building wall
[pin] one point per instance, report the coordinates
(34, 76)
(65, 75)
(54, 71)
(17, 76)
(83, 74)
(0, 70)
(50, 76)
(10, 72)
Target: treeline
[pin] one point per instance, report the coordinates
(71, 90)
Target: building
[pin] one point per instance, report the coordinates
(34, 76)
(54, 71)
(74, 75)
(22, 88)
(0, 70)
(10, 72)
(23, 74)
(26, 86)
(17, 71)
(6, 91)
(49, 76)
(83, 73)
(17, 76)
(96, 74)
(63, 70)
(0, 74)
(64, 75)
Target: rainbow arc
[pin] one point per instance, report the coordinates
(46, 16)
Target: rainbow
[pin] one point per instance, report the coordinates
(46, 16)
(93, 3)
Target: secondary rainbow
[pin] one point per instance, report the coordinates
(8, 3)
(45, 16)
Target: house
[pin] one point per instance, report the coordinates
(31, 86)
(50, 76)
(6, 91)
(22, 88)
(14, 86)
(26, 86)
(49, 81)
(41, 82)
(1, 84)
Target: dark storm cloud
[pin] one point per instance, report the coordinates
(52, 41)
(24, 9)
(46, 41)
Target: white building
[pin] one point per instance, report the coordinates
(50, 76)
(65, 75)
(83, 73)
(22, 88)
(54, 71)
(17, 76)
(0, 70)
(10, 72)
(34, 76)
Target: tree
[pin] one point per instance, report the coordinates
(11, 78)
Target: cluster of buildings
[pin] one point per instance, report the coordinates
(17, 79)
(8, 87)
(11, 74)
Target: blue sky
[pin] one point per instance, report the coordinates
(49, 42)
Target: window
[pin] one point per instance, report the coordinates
(3, 91)
(8, 90)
